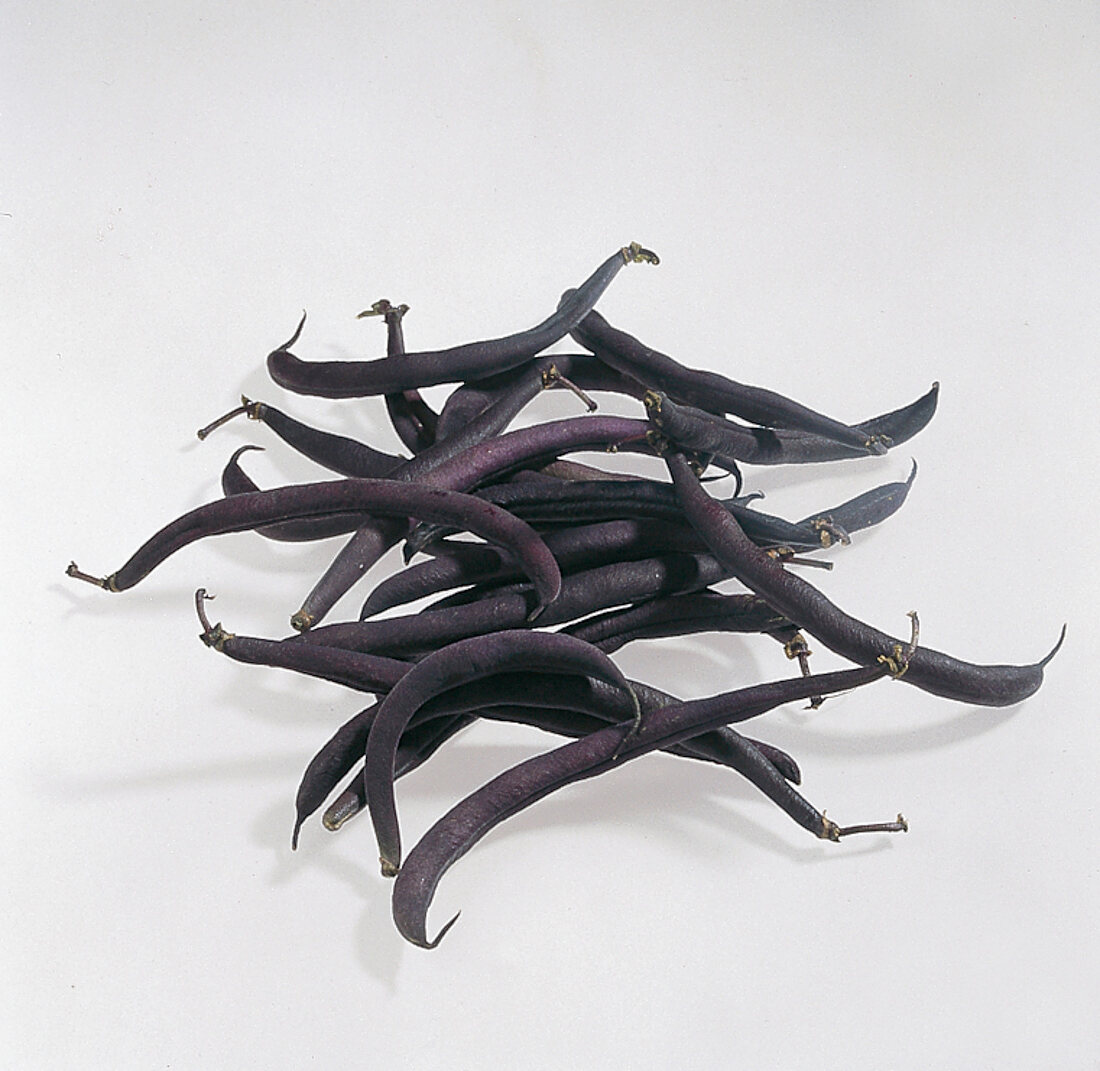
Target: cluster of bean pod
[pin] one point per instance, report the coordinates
(573, 562)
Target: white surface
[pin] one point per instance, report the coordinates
(850, 201)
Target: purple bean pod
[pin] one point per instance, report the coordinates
(448, 667)
(581, 594)
(507, 794)
(413, 420)
(389, 497)
(338, 453)
(710, 390)
(473, 360)
(732, 443)
(235, 481)
(798, 600)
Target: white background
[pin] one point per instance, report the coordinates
(850, 201)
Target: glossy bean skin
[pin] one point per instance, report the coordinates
(584, 370)
(581, 594)
(865, 510)
(558, 703)
(799, 600)
(353, 799)
(413, 420)
(338, 453)
(507, 794)
(348, 744)
(592, 501)
(357, 670)
(235, 481)
(247, 511)
(473, 360)
(709, 389)
(448, 667)
(732, 443)
(681, 615)
(375, 535)
(574, 548)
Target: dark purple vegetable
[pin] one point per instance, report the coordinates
(246, 511)
(235, 481)
(354, 669)
(458, 830)
(436, 465)
(730, 442)
(340, 454)
(473, 360)
(581, 594)
(575, 548)
(413, 420)
(559, 703)
(710, 390)
(446, 668)
(353, 799)
(476, 653)
(680, 615)
(591, 501)
(798, 600)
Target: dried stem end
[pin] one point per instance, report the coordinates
(302, 621)
(389, 870)
(553, 378)
(897, 662)
(105, 582)
(385, 308)
(212, 635)
(787, 556)
(835, 832)
(796, 647)
(829, 532)
(635, 254)
(253, 410)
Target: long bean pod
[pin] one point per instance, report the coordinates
(508, 793)
(710, 389)
(799, 600)
(449, 666)
(390, 497)
(472, 360)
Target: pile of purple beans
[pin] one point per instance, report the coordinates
(570, 562)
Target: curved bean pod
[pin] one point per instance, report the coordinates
(582, 547)
(679, 615)
(473, 360)
(798, 600)
(358, 670)
(721, 752)
(507, 794)
(339, 453)
(581, 594)
(235, 481)
(413, 420)
(731, 443)
(608, 500)
(456, 664)
(390, 497)
(429, 468)
(710, 390)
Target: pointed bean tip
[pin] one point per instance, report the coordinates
(439, 936)
(294, 833)
(243, 450)
(1054, 650)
